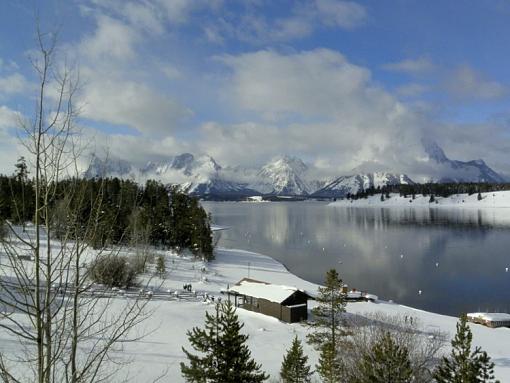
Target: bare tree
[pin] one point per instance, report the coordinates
(67, 332)
(406, 332)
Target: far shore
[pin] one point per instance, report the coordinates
(491, 200)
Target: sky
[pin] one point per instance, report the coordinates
(341, 84)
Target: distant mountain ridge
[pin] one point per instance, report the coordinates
(285, 175)
(344, 185)
(459, 171)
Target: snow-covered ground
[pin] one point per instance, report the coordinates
(269, 338)
(499, 199)
(159, 352)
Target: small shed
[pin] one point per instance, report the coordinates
(490, 319)
(285, 303)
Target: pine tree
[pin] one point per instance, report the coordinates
(387, 362)
(327, 325)
(465, 365)
(295, 368)
(225, 357)
(329, 366)
(479, 196)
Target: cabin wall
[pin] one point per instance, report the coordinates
(294, 314)
(283, 313)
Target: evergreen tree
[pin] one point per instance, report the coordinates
(224, 356)
(295, 368)
(464, 365)
(479, 196)
(431, 199)
(387, 362)
(327, 325)
(329, 366)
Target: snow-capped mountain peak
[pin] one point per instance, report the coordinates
(353, 184)
(457, 171)
(284, 175)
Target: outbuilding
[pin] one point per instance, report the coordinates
(288, 304)
(490, 319)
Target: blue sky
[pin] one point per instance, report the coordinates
(339, 83)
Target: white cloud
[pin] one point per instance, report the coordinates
(124, 102)
(144, 16)
(317, 104)
(466, 83)
(112, 88)
(303, 19)
(412, 66)
(112, 39)
(13, 84)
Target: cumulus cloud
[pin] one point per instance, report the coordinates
(411, 66)
(467, 84)
(130, 103)
(112, 39)
(318, 104)
(112, 91)
(318, 82)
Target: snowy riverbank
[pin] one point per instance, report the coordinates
(269, 338)
(499, 199)
(159, 352)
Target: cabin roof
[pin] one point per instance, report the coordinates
(493, 317)
(263, 290)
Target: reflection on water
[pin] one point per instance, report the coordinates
(457, 258)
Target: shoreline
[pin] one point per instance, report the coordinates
(489, 201)
(493, 341)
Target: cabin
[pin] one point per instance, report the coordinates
(492, 320)
(285, 303)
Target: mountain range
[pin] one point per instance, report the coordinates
(288, 176)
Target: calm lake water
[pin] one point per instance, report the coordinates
(458, 258)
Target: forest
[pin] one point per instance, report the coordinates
(123, 211)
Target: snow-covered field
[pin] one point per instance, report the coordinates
(159, 352)
(499, 199)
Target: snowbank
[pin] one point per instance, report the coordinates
(500, 199)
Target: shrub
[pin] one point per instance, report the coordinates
(114, 271)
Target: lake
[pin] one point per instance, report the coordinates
(457, 258)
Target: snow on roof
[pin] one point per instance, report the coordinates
(273, 293)
(493, 317)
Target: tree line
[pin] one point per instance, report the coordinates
(123, 211)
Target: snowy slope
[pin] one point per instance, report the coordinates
(499, 199)
(344, 185)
